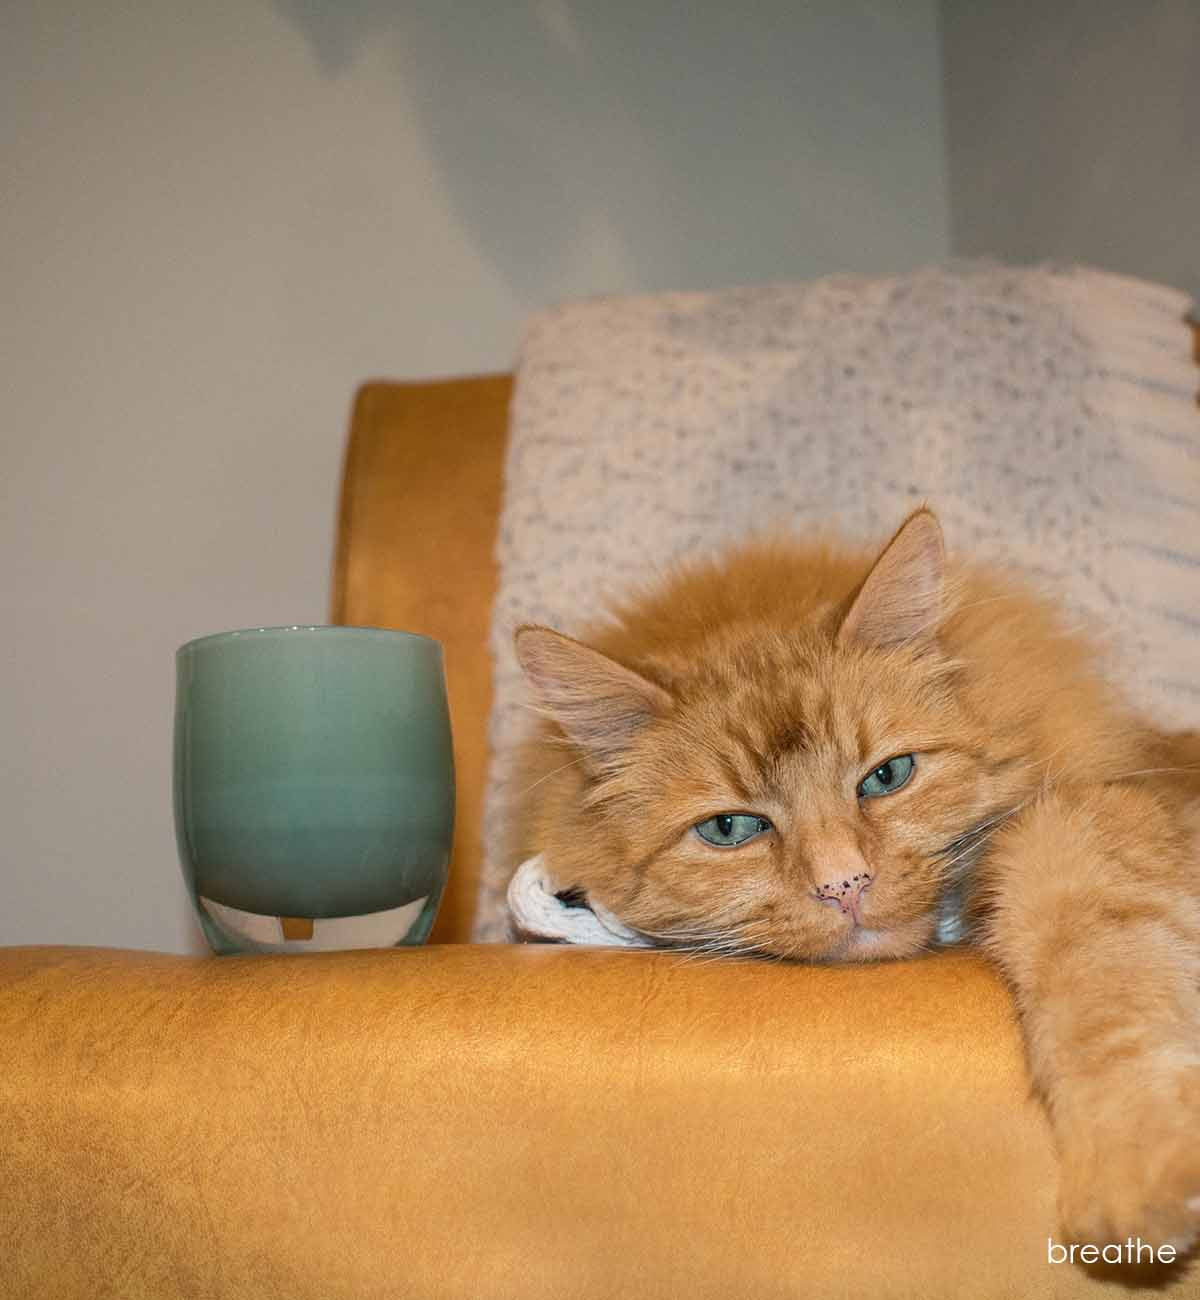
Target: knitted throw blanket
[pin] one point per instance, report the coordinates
(1048, 415)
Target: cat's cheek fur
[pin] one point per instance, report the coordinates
(692, 888)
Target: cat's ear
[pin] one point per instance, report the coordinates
(902, 597)
(599, 703)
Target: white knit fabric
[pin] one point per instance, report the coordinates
(1048, 415)
(537, 913)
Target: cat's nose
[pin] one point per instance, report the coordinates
(846, 892)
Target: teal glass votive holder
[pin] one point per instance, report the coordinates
(314, 787)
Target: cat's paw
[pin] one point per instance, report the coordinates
(1138, 1175)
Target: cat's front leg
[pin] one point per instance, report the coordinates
(1092, 899)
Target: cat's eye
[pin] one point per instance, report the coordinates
(727, 830)
(887, 777)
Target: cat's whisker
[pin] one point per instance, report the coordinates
(573, 763)
(1153, 771)
(759, 951)
(711, 931)
(985, 600)
(738, 940)
(699, 945)
(959, 850)
(966, 845)
(702, 954)
(685, 932)
(1047, 780)
(753, 938)
(535, 707)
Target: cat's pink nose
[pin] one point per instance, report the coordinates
(846, 893)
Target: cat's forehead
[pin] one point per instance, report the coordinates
(772, 701)
(795, 715)
(811, 676)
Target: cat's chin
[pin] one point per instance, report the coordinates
(864, 944)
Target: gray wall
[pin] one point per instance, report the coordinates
(219, 218)
(1074, 132)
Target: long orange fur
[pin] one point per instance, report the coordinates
(770, 681)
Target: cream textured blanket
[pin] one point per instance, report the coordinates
(1048, 415)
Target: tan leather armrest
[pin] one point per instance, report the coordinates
(530, 1122)
(417, 526)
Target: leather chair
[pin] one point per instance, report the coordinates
(468, 1121)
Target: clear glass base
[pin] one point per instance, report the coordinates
(230, 930)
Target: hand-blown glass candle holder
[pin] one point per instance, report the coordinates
(314, 787)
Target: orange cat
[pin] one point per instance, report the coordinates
(789, 751)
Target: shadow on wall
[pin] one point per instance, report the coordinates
(615, 127)
(1072, 132)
